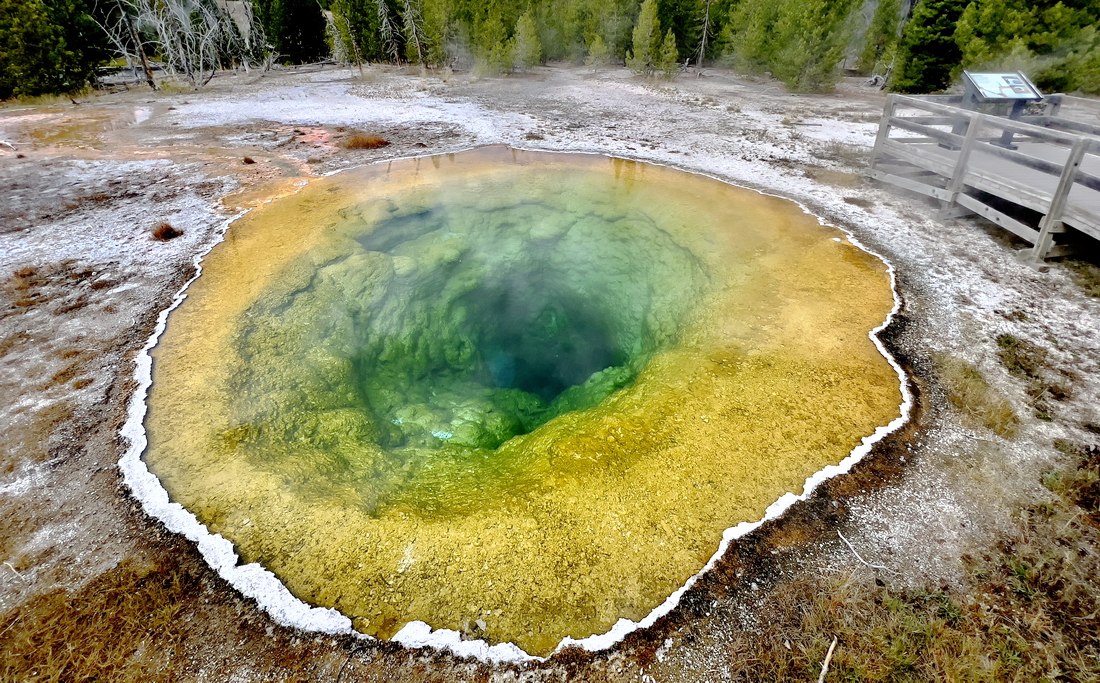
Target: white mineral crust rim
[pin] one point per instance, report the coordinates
(256, 582)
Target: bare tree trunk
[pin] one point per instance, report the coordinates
(194, 37)
(386, 30)
(126, 41)
(414, 31)
(354, 44)
(141, 52)
(703, 41)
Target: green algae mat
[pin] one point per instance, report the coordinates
(515, 394)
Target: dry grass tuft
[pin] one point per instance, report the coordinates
(26, 283)
(165, 231)
(365, 141)
(829, 176)
(30, 286)
(76, 304)
(52, 100)
(1082, 485)
(14, 340)
(66, 284)
(980, 404)
(65, 375)
(104, 284)
(855, 156)
(120, 626)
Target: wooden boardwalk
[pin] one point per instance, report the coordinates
(1048, 163)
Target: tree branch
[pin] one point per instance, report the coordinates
(860, 558)
(828, 658)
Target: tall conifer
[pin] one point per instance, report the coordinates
(647, 40)
(928, 53)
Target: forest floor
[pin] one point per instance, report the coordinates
(980, 516)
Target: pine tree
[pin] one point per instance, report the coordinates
(800, 42)
(528, 48)
(438, 21)
(647, 40)
(495, 49)
(1047, 40)
(356, 23)
(814, 35)
(295, 29)
(704, 34)
(598, 54)
(266, 14)
(752, 36)
(1083, 62)
(881, 36)
(388, 32)
(928, 53)
(48, 46)
(299, 31)
(668, 58)
(614, 22)
(683, 18)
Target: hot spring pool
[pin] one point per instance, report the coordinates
(515, 394)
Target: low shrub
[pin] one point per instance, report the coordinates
(365, 141)
(166, 231)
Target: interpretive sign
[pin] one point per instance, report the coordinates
(1001, 87)
(1013, 88)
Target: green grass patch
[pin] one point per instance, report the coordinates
(1020, 357)
(1029, 361)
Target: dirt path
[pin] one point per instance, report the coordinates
(87, 581)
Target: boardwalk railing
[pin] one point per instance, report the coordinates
(980, 163)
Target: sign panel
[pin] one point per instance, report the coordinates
(1013, 86)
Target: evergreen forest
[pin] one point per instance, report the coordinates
(57, 46)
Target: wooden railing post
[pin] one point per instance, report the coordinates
(1054, 104)
(958, 174)
(1052, 221)
(883, 128)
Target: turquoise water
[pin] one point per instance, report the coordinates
(442, 328)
